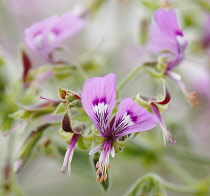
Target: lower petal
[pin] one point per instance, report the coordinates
(96, 149)
(69, 154)
(166, 134)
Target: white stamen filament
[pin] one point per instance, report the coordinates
(103, 164)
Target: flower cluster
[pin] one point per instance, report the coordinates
(98, 99)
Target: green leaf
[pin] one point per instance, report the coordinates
(20, 114)
(60, 109)
(63, 71)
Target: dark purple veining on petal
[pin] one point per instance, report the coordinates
(101, 116)
(39, 32)
(96, 101)
(120, 126)
(133, 117)
(178, 32)
(56, 31)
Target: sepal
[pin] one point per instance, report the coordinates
(60, 109)
(120, 143)
(66, 136)
(67, 95)
(156, 69)
(85, 141)
(161, 100)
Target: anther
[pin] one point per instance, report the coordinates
(98, 172)
(98, 164)
(97, 179)
(102, 179)
(105, 176)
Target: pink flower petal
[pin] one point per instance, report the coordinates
(96, 149)
(98, 99)
(132, 118)
(69, 154)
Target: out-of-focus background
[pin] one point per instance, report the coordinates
(115, 36)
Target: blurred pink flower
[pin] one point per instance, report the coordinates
(167, 38)
(206, 33)
(43, 37)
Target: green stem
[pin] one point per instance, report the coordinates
(178, 188)
(177, 170)
(129, 77)
(82, 72)
(189, 156)
(9, 183)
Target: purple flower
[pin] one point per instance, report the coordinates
(98, 100)
(43, 37)
(167, 38)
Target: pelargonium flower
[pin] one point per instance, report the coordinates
(98, 99)
(156, 106)
(168, 41)
(43, 37)
(167, 38)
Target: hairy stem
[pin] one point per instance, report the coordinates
(129, 77)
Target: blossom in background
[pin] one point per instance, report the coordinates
(205, 39)
(43, 37)
(167, 39)
(98, 99)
